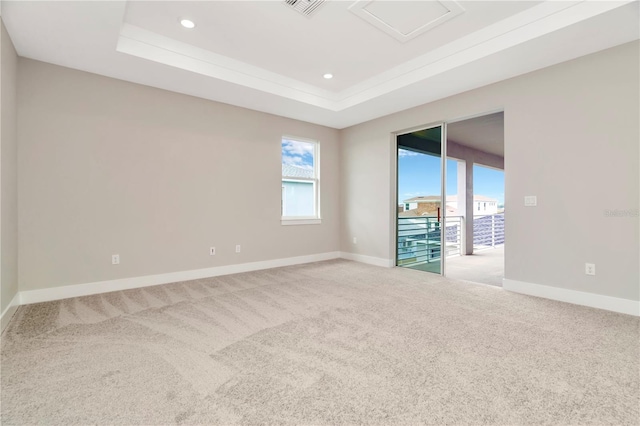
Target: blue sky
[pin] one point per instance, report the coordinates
(419, 174)
(296, 153)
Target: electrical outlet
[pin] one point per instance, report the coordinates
(115, 259)
(212, 251)
(238, 248)
(590, 268)
(355, 240)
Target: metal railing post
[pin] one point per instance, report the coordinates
(428, 236)
(461, 238)
(493, 230)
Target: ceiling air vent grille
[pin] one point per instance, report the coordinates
(305, 7)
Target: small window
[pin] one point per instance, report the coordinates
(300, 181)
(406, 207)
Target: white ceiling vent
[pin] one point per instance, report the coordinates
(405, 20)
(305, 7)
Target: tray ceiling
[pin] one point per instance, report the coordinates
(385, 56)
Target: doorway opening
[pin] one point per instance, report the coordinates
(477, 147)
(464, 158)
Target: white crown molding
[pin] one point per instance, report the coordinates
(615, 304)
(148, 45)
(85, 36)
(530, 24)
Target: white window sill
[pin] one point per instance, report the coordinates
(301, 221)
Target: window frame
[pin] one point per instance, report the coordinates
(316, 218)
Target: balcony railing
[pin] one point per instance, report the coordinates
(419, 239)
(488, 231)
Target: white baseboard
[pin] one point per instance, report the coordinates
(65, 292)
(9, 311)
(370, 260)
(615, 304)
(625, 306)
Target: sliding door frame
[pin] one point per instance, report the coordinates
(443, 188)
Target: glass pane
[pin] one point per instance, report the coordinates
(298, 178)
(299, 155)
(419, 200)
(298, 198)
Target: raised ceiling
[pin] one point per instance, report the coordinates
(385, 56)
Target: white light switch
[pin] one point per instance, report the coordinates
(530, 200)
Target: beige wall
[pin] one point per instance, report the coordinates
(571, 138)
(8, 168)
(107, 167)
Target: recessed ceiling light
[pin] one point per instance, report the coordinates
(328, 76)
(187, 23)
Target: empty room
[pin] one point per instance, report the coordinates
(252, 212)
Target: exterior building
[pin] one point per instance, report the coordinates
(423, 205)
(428, 205)
(481, 204)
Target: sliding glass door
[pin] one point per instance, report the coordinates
(420, 208)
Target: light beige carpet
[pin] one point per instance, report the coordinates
(328, 343)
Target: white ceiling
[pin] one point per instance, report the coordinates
(386, 56)
(484, 133)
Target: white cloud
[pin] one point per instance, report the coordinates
(299, 154)
(406, 153)
(297, 148)
(291, 159)
(407, 195)
(296, 160)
